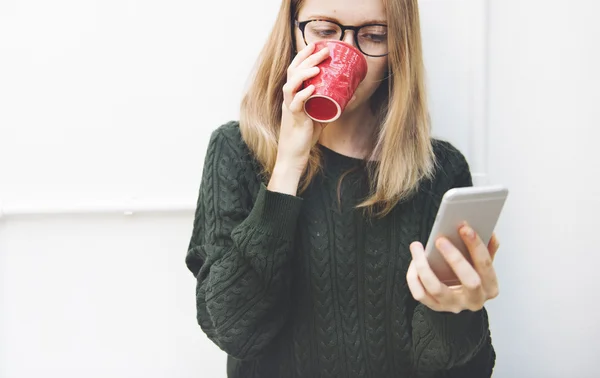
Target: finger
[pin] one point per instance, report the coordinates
(462, 268)
(315, 58)
(297, 105)
(291, 87)
(430, 282)
(418, 291)
(493, 246)
(482, 259)
(301, 56)
(472, 296)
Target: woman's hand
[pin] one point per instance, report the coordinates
(479, 282)
(298, 133)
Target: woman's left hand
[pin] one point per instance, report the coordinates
(479, 281)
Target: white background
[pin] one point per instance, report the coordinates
(107, 107)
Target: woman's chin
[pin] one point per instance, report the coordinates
(352, 104)
(355, 106)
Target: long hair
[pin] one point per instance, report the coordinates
(402, 153)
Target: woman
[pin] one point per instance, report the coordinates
(307, 240)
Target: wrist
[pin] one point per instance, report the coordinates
(285, 179)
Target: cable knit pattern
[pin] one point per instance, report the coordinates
(308, 287)
(343, 219)
(322, 289)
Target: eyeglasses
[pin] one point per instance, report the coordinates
(371, 39)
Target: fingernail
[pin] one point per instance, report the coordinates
(443, 244)
(468, 232)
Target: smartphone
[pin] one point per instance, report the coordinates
(480, 207)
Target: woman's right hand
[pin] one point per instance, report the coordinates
(298, 133)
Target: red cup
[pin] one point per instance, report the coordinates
(335, 85)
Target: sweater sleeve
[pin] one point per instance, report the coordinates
(446, 342)
(481, 365)
(240, 252)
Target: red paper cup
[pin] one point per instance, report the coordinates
(335, 85)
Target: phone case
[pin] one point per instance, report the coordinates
(480, 207)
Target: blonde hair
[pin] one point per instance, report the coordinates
(402, 152)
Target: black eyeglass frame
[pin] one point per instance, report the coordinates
(355, 29)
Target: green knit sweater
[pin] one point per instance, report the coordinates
(310, 287)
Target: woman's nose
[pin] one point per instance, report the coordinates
(349, 38)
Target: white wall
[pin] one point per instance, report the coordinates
(454, 36)
(106, 107)
(544, 127)
(98, 296)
